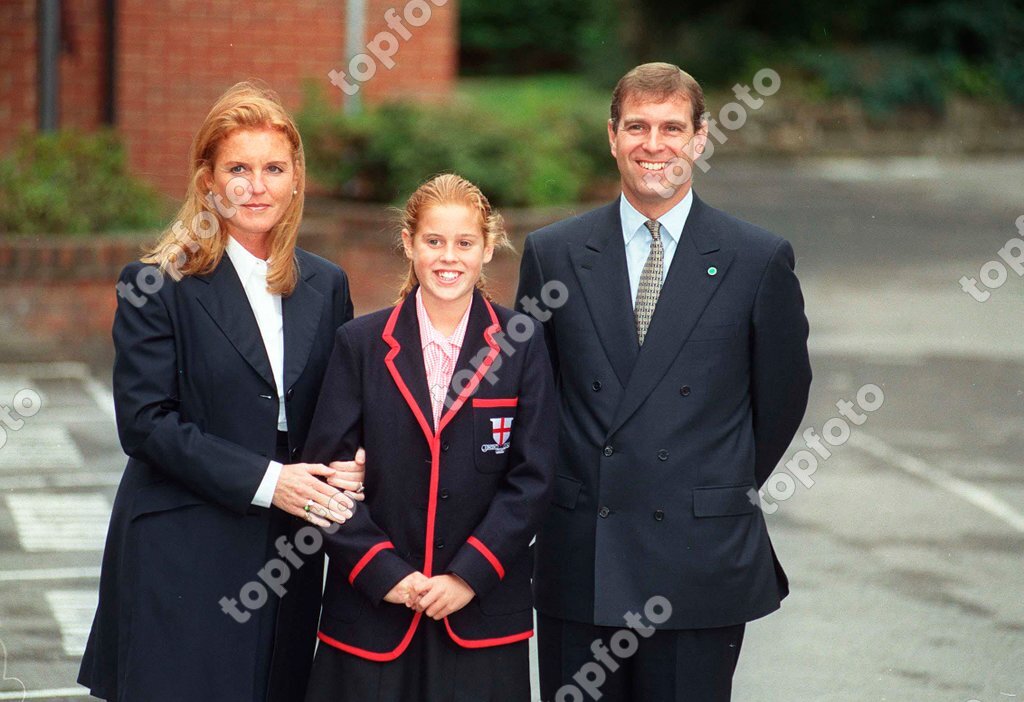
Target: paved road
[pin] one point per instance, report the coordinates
(58, 471)
(904, 547)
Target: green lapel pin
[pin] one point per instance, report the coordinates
(712, 271)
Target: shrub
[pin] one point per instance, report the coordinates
(521, 150)
(528, 36)
(883, 79)
(68, 182)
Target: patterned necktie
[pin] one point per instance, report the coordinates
(650, 281)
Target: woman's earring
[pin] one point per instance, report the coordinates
(295, 192)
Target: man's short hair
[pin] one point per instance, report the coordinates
(658, 82)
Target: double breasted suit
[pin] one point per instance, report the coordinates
(660, 446)
(465, 498)
(197, 414)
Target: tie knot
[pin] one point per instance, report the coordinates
(654, 227)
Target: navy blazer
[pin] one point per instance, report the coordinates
(660, 445)
(197, 412)
(466, 499)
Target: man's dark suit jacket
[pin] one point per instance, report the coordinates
(661, 445)
(197, 414)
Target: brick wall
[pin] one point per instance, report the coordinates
(82, 65)
(174, 58)
(57, 296)
(17, 69)
(426, 64)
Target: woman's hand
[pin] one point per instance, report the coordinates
(349, 475)
(300, 485)
(443, 595)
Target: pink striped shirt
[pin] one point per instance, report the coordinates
(440, 354)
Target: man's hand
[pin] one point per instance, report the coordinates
(350, 475)
(407, 590)
(443, 595)
(300, 485)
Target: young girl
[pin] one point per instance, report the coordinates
(428, 590)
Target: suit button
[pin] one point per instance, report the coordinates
(658, 515)
(444, 494)
(685, 391)
(604, 512)
(439, 544)
(288, 395)
(662, 455)
(596, 386)
(608, 450)
(295, 452)
(445, 446)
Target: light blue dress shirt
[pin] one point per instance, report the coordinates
(638, 238)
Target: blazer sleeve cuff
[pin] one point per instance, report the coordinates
(265, 492)
(379, 570)
(478, 566)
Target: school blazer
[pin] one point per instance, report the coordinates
(661, 446)
(466, 499)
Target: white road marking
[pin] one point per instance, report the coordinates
(915, 314)
(72, 522)
(99, 393)
(977, 496)
(863, 170)
(35, 446)
(50, 371)
(73, 610)
(56, 693)
(11, 385)
(49, 574)
(91, 479)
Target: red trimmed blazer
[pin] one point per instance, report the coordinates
(466, 499)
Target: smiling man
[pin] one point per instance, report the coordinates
(681, 359)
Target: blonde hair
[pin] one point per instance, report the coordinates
(658, 82)
(451, 189)
(187, 246)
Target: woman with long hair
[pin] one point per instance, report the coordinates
(212, 568)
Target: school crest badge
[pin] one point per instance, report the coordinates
(501, 432)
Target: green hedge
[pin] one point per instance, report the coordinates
(536, 36)
(887, 55)
(519, 145)
(68, 182)
(883, 79)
